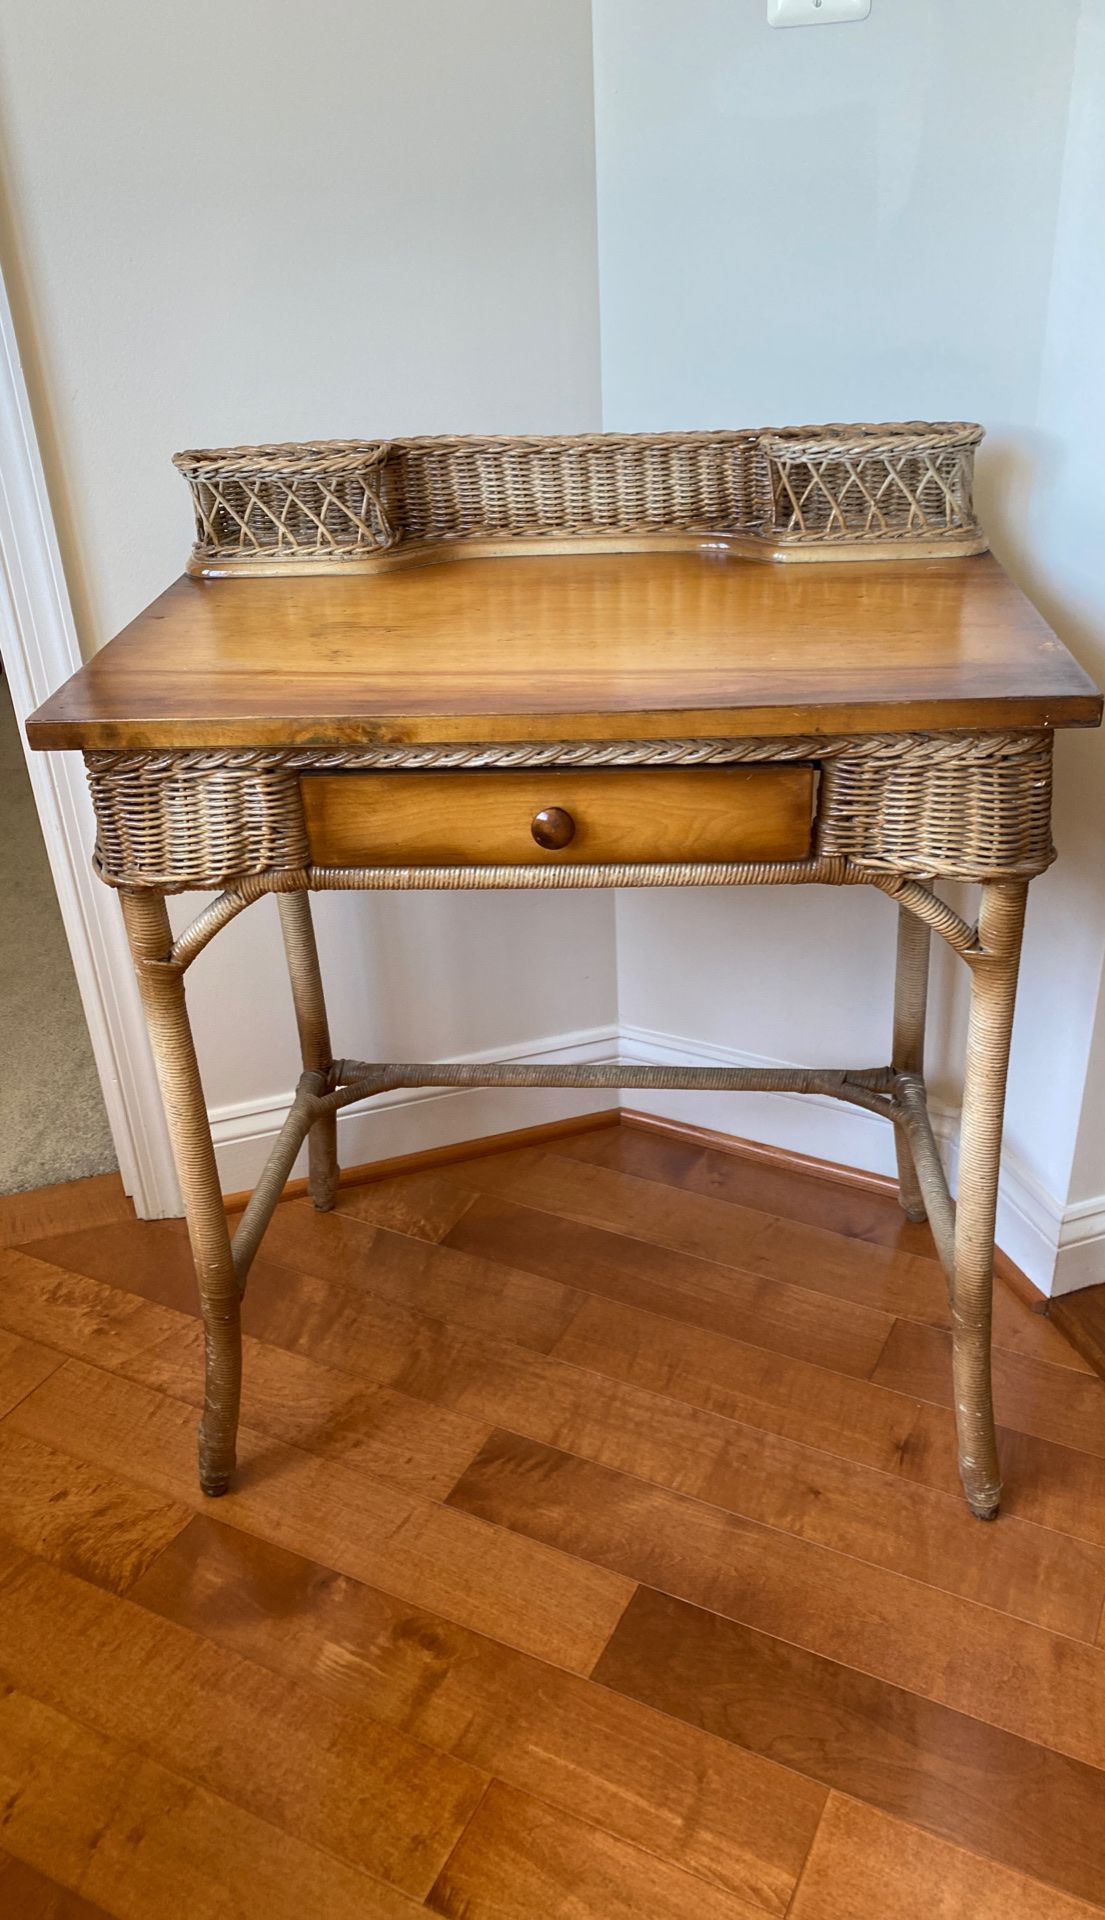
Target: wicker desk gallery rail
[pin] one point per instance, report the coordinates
(796, 492)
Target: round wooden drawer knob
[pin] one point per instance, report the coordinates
(553, 828)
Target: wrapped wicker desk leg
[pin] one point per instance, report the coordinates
(993, 992)
(301, 949)
(911, 982)
(161, 983)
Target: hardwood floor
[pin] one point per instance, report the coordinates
(1081, 1317)
(596, 1551)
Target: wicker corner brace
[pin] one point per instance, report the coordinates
(844, 491)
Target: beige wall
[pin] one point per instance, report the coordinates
(242, 222)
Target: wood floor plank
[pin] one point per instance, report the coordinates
(801, 1196)
(423, 1445)
(863, 1863)
(1048, 1485)
(521, 1857)
(752, 1467)
(902, 1434)
(392, 1435)
(806, 1403)
(575, 1398)
(765, 1313)
(142, 1842)
(1029, 1395)
(907, 1527)
(1051, 1485)
(307, 1306)
(423, 1204)
(26, 1894)
(1080, 1318)
(23, 1363)
(328, 1775)
(77, 1516)
(767, 1186)
(74, 1315)
(1039, 1685)
(614, 1361)
(733, 1818)
(152, 1257)
(855, 1268)
(349, 1257)
(480, 1379)
(1024, 1805)
(1020, 1329)
(471, 1291)
(530, 1597)
(75, 1203)
(491, 1379)
(711, 1229)
(149, 1257)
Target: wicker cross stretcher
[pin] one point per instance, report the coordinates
(242, 738)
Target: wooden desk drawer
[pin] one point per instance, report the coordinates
(626, 814)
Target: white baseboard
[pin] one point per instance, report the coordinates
(397, 1123)
(1030, 1221)
(1081, 1261)
(806, 1123)
(1059, 1249)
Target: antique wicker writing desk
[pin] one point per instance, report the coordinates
(649, 717)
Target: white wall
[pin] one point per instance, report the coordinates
(797, 221)
(860, 223)
(222, 229)
(1064, 570)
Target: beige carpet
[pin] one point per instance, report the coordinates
(52, 1120)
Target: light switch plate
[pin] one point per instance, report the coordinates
(815, 13)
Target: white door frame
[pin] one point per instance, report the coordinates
(38, 645)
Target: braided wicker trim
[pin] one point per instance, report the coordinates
(298, 507)
(921, 749)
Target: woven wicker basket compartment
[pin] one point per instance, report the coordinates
(795, 493)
